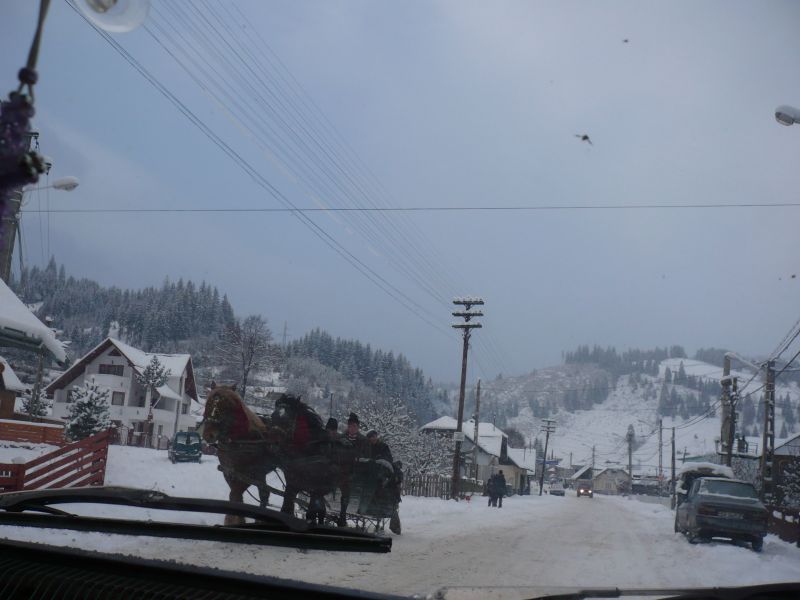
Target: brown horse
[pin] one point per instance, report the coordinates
(293, 440)
(242, 441)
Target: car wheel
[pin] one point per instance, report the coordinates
(757, 544)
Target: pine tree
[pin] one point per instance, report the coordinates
(36, 407)
(88, 414)
(153, 377)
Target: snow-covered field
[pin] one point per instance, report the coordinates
(532, 541)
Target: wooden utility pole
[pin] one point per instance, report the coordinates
(593, 460)
(330, 409)
(629, 438)
(549, 427)
(725, 441)
(466, 327)
(673, 468)
(768, 436)
(475, 433)
(660, 451)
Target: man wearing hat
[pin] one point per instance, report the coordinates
(358, 446)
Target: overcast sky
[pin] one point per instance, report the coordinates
(437, 104)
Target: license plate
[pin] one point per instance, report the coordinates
(731, 515)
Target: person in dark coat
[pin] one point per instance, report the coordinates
(356, 444)
(377, 448)
(491, 490)
(501, 487)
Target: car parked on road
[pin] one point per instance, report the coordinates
(187, 446)
(556, 489)
(722, 507)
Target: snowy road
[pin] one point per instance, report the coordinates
(532, 541)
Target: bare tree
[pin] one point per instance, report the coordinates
(245, 347)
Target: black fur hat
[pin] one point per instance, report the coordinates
(353, 418)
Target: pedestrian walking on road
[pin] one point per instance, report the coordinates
(501, 487)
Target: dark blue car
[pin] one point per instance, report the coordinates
(721, 507)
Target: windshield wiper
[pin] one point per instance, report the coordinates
(273, 528)
(773, 591)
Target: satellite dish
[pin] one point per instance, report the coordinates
(116, 16)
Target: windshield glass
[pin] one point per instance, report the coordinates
(405, 269)
(728, 488)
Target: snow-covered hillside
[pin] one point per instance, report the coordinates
(605, 425)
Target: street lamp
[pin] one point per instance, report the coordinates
(787, 115)
(66, 184)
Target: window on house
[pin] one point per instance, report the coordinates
(118, 399)
(185, 409)
(112, 370)
(114, 352)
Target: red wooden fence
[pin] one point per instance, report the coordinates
(78, 464)
(37, 433)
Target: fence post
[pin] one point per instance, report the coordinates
(19, 474)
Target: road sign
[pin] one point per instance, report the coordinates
(458, 436)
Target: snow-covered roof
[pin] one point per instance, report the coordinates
(17, 321)
(604, 469)
(490, 438)
(468, 427)
(10, 379)
(580, 472)
(175, 363)
(711, 468)
(523, 458)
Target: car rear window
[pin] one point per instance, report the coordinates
(728, 488)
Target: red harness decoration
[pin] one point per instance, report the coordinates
(302, 433)
(241, 426)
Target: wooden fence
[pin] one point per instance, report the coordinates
(78, 464)
(437, 486)
(37, 433)
(785, 523)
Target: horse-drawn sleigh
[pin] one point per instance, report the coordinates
(315, 464)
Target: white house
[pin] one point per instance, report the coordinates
(493, 453)
(611, 481)
(114, 365)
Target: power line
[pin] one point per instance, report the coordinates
(398, 209)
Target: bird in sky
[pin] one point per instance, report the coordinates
(625, 41)
(584, 138)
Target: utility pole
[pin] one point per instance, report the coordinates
(549, 427)
(660, 451)
(330, 410)
(284, 333)
(629, 438)
(9, 218)
(466, 327)
(475, 433)
(592, 459)
(673, 468)
(768, 437)
(725, 441)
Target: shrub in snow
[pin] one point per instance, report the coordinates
(88, 414)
